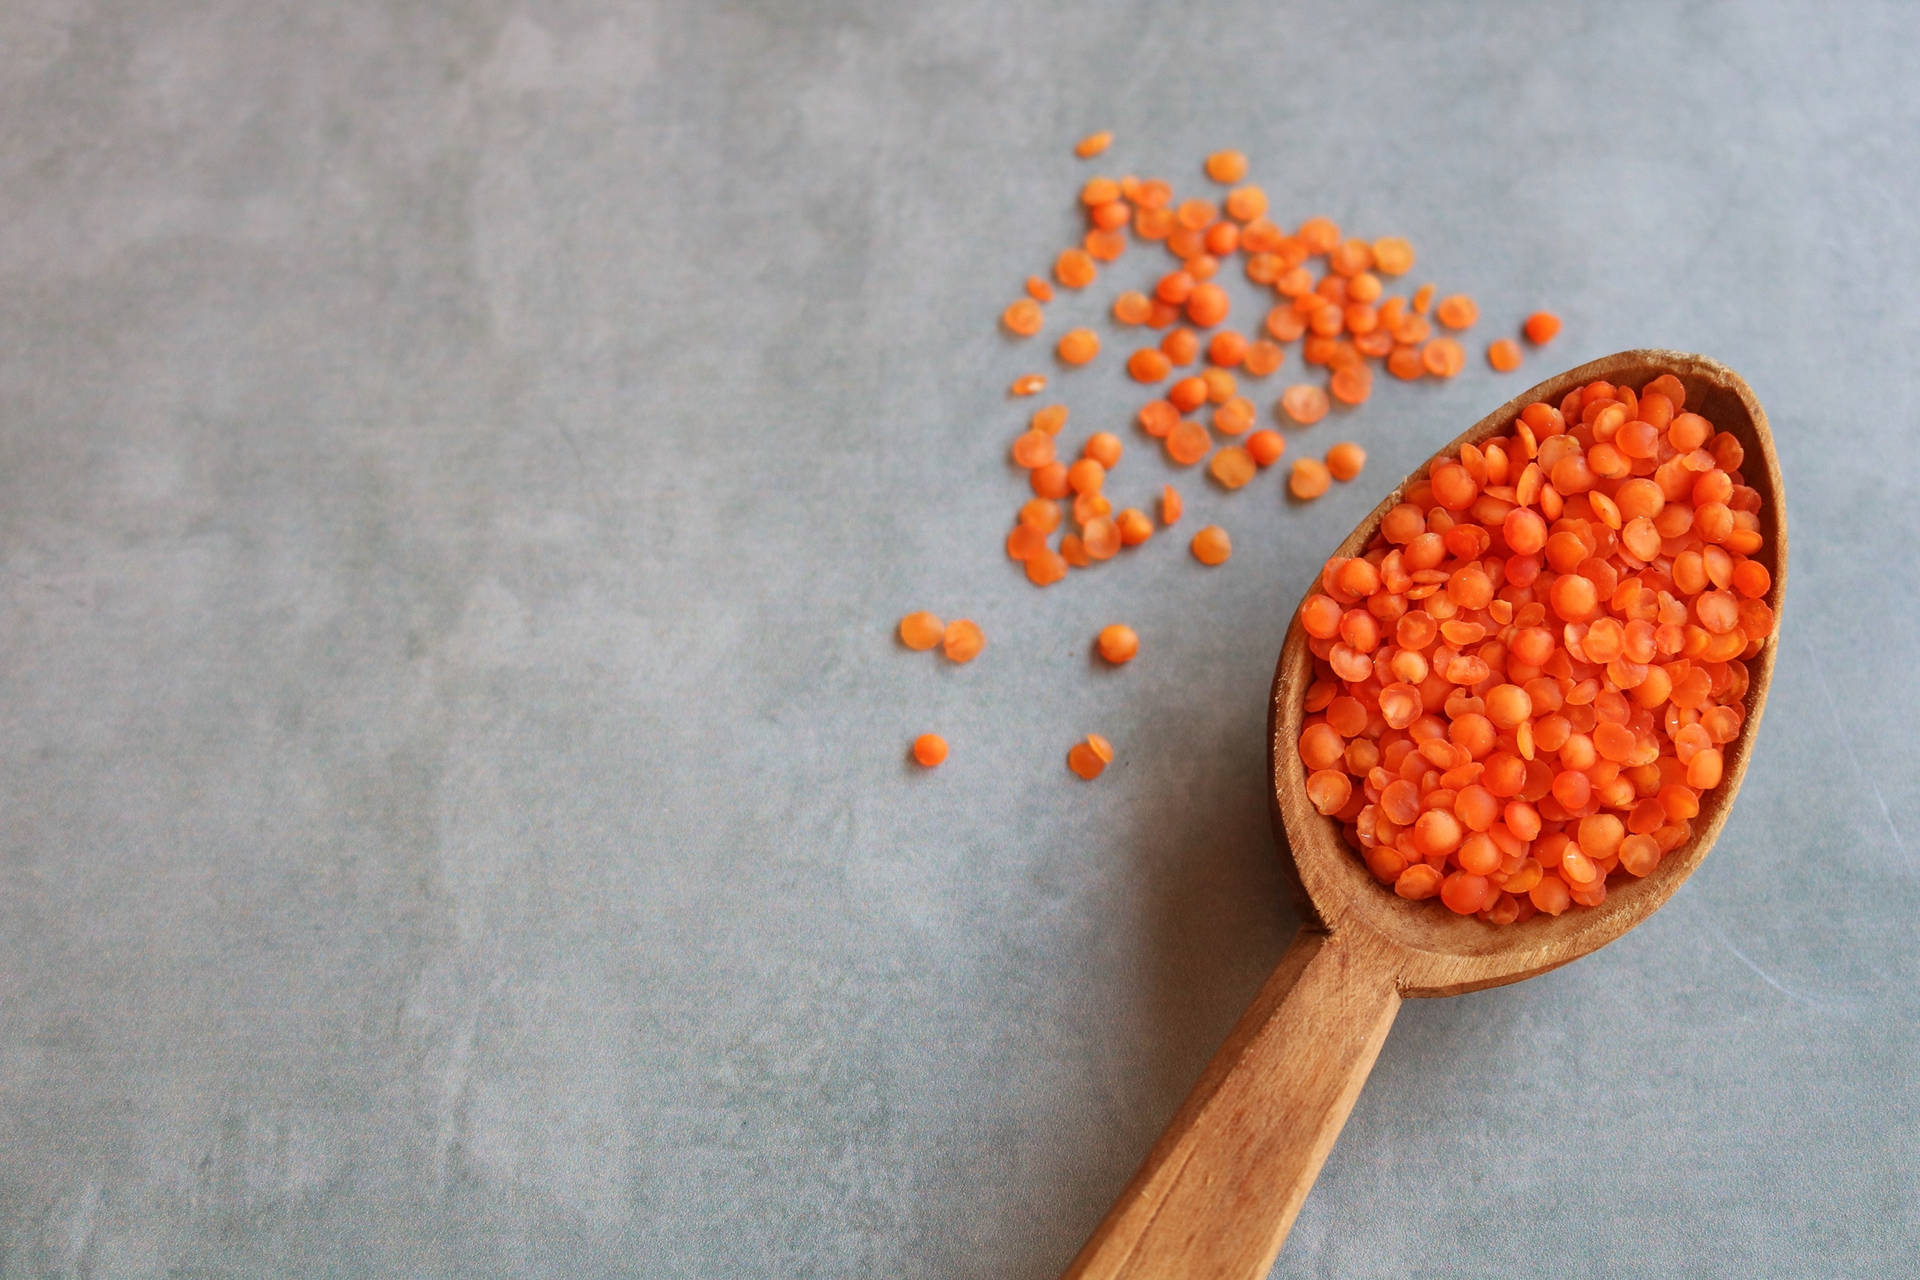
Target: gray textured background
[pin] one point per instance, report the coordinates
(459, 469)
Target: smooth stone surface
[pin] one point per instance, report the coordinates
(459, 471)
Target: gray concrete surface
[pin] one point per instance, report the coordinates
(459, 468)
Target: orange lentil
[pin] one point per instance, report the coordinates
(1412, 329)
(1404, 362)
(1379, 343)
(1222, 238)
(1262, 358)
(1186, 243)
(1304, 403)
(1135, 527)
(1456, 311)
(1153, 224)
(1227, 349)
(1111, 216)
(1033, 449)
(1023, 317)
(1187, 443)
(963, 640)
(1093, 144)
(1039, 290)
(1049, 481)
(1284, 324)
(1259, 235)
(1029, 384)
(1170, 505)
(1244, 204)
(1422, 299)
(1265, 446)
(1046, 568)
(1220, 385)
(1541, 326)
(1207, 305)
(1319, 235)
(1132, 307)
(1310, 479)
(1086, 476)
(1392, 255)
(1158, 418)
(1024, 542)
(1182, 346)
(1149, 364)
(1102, 245)
(1049, 418)
(1232, 466)
(1101, 537)
(1089, 757)
(1153, 193)
(1104, 448)
(1188, 394)
(1117, 643)
(921, 630)
(1226, 166)
(1549, 697)
(1074, 268)
(1443, 357)
(1077, 346)
(1088, 507)
(1041, 514)
(1345, 460)
(1196, 214)
(929, 749)
(1098, 191)
(1350, 257)
(1235, 415)
(1211, 546)
(1351, 383)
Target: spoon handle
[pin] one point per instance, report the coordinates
(1216, 1195)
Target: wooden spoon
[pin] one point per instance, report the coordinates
(1218, 1192)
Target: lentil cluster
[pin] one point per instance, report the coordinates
(1329, 293)
(1526, 683)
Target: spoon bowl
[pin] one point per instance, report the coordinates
(1220, 1189)
(1445, 954)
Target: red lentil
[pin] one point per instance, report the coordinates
(1345, 460)
(1211, 546)
(1309, 480)
(921, 630)
(1090, 757)
(1169, 505)
(963, 640)
(1118, 643)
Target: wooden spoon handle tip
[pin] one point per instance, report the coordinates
(1218, 1192)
